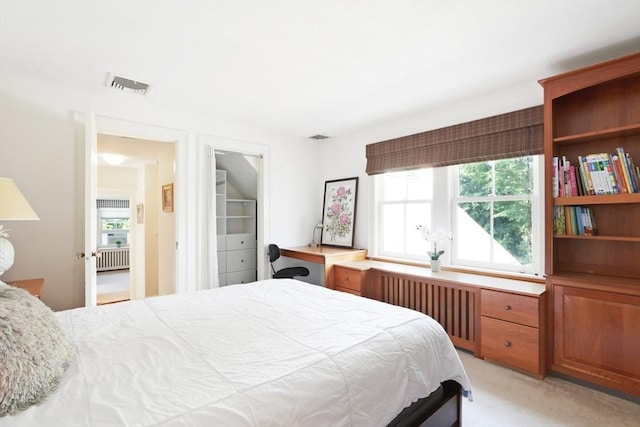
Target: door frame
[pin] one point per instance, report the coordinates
(183, 222)
(264, 195)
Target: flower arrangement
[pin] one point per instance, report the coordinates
(439, 237)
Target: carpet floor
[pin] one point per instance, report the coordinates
(503, 397)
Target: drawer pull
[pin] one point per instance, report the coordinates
(507, 344)
(507, 307)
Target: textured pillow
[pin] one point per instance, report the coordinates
(34, 351)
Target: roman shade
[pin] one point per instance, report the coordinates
(515, 134)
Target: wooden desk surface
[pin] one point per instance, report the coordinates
(319, 254)
(326, 255)
(33, 286)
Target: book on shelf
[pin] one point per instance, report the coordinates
(574, 221)
(595, 174)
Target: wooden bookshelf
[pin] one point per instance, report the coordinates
(593, 282)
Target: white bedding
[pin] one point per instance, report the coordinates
(270, 353)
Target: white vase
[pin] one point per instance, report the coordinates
(435, 265)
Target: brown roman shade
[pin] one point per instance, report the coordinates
(515, 134)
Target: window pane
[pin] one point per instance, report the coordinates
(512, 231)
(115, 223)
(514, 176)
(473, 233)
(394, 187)
(417, 214)
(393, 228)
(420, 184)
(475, 179)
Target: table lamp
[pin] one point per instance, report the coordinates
(13, 207)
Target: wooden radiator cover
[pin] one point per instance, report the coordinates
(451, 304)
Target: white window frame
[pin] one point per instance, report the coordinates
(443, 216)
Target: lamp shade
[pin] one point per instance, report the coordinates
(13, 205)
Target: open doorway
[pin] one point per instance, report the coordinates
(135, 230)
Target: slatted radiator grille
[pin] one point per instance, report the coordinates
(113, 259)
(454, 308)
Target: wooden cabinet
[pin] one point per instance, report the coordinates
(33, 286)
(594, 281)
(347, 279)
(511, 332)
(597, 336)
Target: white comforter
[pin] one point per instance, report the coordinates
(271, 353)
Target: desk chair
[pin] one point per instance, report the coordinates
(284, 273)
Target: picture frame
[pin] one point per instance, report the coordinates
(339, 212)
(167, 198)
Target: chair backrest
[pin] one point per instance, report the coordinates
(274, 252)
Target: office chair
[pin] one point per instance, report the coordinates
(284, 273)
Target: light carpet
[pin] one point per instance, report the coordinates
(503, 397)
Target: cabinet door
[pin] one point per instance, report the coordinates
(597, 336)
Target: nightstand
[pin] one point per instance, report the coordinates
(33, 286)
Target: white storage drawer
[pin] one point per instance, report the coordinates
(222, 242)
(241, 260)
(241, 241)
(241, 277)
(222, 262)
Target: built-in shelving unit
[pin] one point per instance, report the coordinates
(594, 281)
(236, 229)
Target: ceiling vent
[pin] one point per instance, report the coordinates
(319, 137)
(128, 85)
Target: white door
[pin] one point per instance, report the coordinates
(91, 213)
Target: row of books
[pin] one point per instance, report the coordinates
(574, 221)
(595, 174)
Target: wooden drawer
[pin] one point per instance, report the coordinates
(511, 344)
(511, 307)
(346, 279)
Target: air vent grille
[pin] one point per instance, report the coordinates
(127, 85)
(112, 203)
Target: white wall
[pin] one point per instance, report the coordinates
(41, 148)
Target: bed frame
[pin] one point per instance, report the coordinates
(442, 408)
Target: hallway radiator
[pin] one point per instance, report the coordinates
(113, 259)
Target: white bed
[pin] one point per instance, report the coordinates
(270, 353)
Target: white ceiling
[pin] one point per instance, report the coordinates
(306, 67)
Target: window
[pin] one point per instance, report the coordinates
(406, 200)
(492, 209)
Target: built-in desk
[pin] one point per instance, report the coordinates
(326, 255)
(496, 318)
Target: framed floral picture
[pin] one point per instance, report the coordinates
(339, 212)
